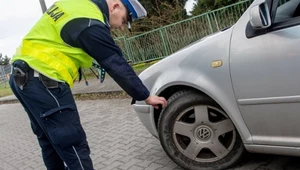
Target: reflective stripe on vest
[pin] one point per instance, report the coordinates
(54, 58)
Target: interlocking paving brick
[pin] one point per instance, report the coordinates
(117, 139)
(153, 166)
(130, 163)
(135, 167)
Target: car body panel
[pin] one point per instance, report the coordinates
(182, 68)
(265, 71)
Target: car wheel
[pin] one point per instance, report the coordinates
(197, 134)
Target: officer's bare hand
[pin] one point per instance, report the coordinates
(155, 101)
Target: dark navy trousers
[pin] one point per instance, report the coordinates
(55, 121)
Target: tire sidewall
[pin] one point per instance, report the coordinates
(176, 104)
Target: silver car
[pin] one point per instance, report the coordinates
(235, 91)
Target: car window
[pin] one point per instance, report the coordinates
(287, 9)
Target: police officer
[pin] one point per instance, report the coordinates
(68, 37)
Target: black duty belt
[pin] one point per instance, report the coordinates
(22, 72)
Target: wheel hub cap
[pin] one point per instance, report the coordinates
(203, 133)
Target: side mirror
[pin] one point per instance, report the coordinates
(260, 16)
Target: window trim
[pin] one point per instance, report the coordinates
(285, 24)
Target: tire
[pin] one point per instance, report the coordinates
(197, 134)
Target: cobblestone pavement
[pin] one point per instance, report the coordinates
(117, 139)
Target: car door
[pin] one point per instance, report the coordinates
(265, 70)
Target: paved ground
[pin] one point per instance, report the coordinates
(117, 139)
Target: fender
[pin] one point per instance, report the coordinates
(221, 94)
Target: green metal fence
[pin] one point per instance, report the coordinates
(166, 40)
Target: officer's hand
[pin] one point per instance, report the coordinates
(155, 101)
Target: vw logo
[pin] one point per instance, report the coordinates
(204, 133)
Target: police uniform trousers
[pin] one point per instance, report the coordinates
(55, 121)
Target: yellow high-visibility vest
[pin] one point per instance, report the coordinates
(45, 51)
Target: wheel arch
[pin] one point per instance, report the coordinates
(167, 92)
